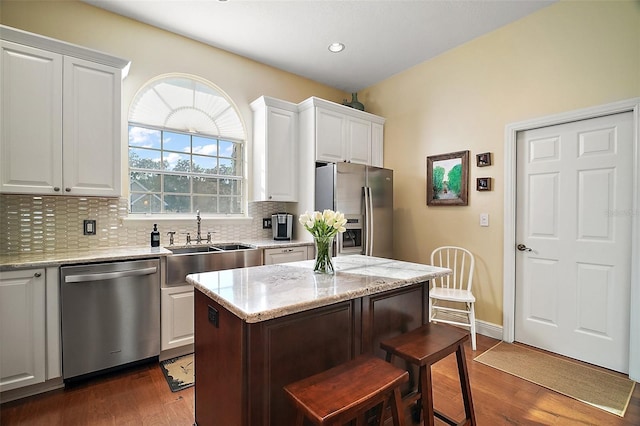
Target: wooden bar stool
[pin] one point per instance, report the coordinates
(346, 392)
(423, 347)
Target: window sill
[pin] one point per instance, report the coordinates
(164, 218)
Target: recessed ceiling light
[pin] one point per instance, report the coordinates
(336, 47)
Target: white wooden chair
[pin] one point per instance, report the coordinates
(451, 295)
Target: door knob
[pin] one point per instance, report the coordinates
(522, 247)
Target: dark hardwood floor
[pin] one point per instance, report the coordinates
(141, 396)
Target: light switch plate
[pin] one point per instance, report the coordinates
(484, 219)
(89, 227)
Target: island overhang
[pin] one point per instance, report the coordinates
(266, 292)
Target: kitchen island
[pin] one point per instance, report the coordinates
(258, 329)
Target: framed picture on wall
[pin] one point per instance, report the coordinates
(483, 184)
(447, 179)
(483, 160)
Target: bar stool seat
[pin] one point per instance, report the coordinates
(425, 346)
(347, 391)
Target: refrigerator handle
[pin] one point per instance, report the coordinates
(371, 229)
(368, 214)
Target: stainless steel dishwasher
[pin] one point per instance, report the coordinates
(110, 315)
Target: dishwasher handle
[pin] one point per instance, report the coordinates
(110, 275)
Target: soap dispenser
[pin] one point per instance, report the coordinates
(155, 236)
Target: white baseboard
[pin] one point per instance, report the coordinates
(482, 327)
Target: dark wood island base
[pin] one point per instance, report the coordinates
(241, 368)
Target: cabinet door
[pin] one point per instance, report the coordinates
(31, 120)
(91, 128)
(358, 141)
(176, 317)
(281, 149)
(284, 255)
(377, 145)
(22, 328)
(330, 136)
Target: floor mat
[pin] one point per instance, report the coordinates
(179, 372)
(605, 390)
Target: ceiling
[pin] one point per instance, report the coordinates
(382, 38)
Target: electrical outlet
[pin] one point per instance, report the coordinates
(484, 219)
(266, 223)
(89, 227)
(213, 316)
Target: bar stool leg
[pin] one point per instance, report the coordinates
(465, 385)
(396, 409)
(427, 400)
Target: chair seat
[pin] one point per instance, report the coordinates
(424, 347)
(451, 294)
(339, 394)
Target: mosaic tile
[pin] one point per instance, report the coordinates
(48, 223)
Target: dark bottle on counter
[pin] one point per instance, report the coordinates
(155, 236)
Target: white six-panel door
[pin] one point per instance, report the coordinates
(573, 219)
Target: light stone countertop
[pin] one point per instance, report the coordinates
(67, 257)
(265, 292)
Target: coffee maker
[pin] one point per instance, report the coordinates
(281, 224)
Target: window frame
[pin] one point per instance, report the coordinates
(240, 178)
(232, 128)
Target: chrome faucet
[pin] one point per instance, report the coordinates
(199, 234)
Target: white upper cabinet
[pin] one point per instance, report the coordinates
(61, 117)
(377, 145)
(331, 138)
(275, 150)
(340, 133)
(91, 128)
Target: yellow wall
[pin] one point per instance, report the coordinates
(568, 56)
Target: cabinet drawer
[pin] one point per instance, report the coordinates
(286, 254)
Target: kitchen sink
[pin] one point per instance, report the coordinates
(189, 250)
(217, 257)
(228, 247)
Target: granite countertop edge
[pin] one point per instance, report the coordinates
(378, 284)
(57, 258)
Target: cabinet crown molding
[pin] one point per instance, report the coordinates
(273, 102)
(342, 109)
(62, 47)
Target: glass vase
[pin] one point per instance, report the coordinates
(324, 247)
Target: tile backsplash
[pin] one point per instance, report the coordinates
(35, 224)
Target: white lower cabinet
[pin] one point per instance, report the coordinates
(176, 317)
(23, 333)
(288, 254)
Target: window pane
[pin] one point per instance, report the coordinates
(229, 149)
(206, 204)
(145, 203)
(236, 205)
(205, 146)
(176, 183)
(205, 185)
(229, 187)
(177, 204)
(144, 159)
(204, 164)
(144, 182)
(177, 162)
(176, 142)
(144, 138)
(228, 167)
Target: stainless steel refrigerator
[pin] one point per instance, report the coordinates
(365, 195)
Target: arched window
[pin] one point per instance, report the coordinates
(186, 149)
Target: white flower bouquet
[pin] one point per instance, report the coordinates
(323, 226)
